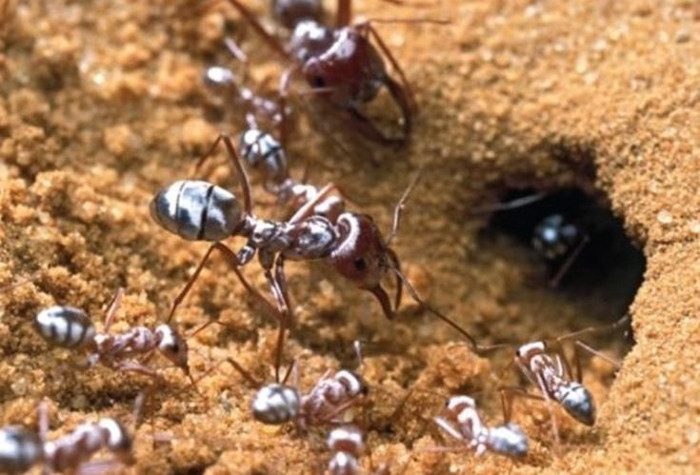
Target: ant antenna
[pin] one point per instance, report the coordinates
(513, 204)
(398, 209)
(434, 311)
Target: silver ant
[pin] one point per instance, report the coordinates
(339, 63)
(462, 421)
(71, 327)
(547, 368)
(279, 402)
(351, 244)
(21, 449)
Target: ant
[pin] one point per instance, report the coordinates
(70, 327)
(463, 422)
(351, 244)
(21, 449)
(563, 226)
(339, 62)
(547, 367)
(278, 403)
(347, 444)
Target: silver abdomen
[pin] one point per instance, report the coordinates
(578, 402)
(508, 439)
(260, 149)
(197, 210)
(65, 326)
(19, 449)
(276, 404)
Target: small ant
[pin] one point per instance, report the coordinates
(340, 63)
(347, 445)
(556, 237)
(70, 327)
(278, 403)
(463, 422)
(547, 367)
(351, 244)
(21, 449)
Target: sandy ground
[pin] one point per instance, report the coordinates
(102, 104)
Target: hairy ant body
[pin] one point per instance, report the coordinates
(70, 327)
(463, 422)
(21, 449)
(547, 367)
(351, 243)
(340, 63)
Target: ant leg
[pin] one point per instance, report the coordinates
(343, 15)
(404, 103)
(367, 27)
(113, 308)
(284, 86)
(398, 209)
(233, 261)
(271, 41)
(367, 128)
(306, 209)
(245, 373)
(443, 424)
(235, 50)
(507, 395)
(238, 167)
(570, 259)
(43, 419)
(579, 333)
(472, 342)
(581, 346)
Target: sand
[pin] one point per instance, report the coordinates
(102, 105)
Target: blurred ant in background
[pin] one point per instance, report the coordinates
(569, 230)
(340, 63)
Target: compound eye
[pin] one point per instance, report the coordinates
(318, 82)
(360, 264)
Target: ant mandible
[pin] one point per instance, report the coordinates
(339, 63)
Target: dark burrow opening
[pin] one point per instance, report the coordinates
(578, 246)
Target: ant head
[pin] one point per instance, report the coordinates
(197, 210)
(508, 439)
(578, 402)
(291, 12)
(173, 346)
(350, 67)
(459, 403)
(528, 350)
(362, 256)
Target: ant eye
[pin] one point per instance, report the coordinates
(175, 348)
(319, 82)
(360, 264)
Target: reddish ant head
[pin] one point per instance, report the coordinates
(173, 346)
(362, 256)
(351, 68)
